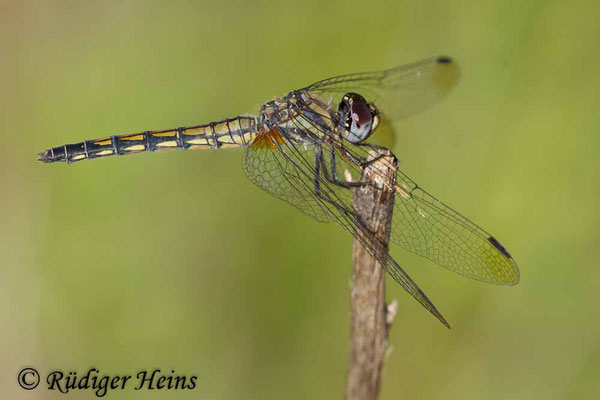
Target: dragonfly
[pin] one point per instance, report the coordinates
(309, 148)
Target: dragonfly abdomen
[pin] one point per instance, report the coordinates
(232, 132)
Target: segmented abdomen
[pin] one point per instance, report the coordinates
(234, 132)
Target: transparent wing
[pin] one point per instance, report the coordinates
(289, 171)
(397, 92)
(288, 177)
(421, 223)
(424, 225)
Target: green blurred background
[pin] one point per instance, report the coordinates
(177, 261)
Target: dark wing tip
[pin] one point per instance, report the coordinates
(444, 60)
(446, 324)
(516, 276)
(499, 246)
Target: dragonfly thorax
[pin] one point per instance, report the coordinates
(301, 112)
(280, 110)
(300, 115)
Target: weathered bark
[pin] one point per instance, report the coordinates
(368, 337)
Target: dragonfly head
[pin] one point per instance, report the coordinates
(358, 117)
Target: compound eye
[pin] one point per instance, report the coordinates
(359, 119)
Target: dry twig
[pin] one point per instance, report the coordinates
(370, 320)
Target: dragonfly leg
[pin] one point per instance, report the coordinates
(318, 156)
(379, 149)
(361, 162)
(334, 178)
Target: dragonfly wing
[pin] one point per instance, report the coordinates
(397, 92)
(289, 172)
(289, 178)
(424, 225)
